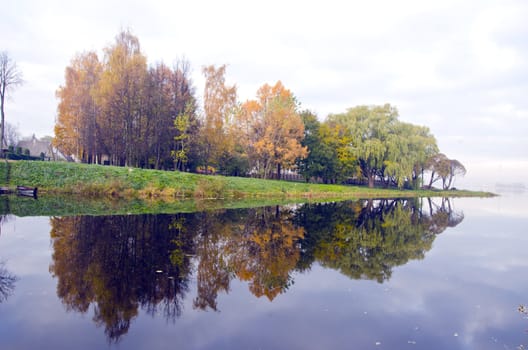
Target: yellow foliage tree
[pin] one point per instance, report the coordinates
(219, 107)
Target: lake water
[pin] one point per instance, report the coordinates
(396, 274)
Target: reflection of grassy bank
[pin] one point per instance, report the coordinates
(97, 181)
(53, 205)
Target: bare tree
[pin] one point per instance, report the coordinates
(7, 282)
(12, 135)
(10, 77)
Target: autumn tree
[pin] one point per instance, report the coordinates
(219, 106)
(160, 114)
(276, 129)
(122, 98)
(186, 125)
(170, 100)
(123, 111)
(10, 78)
(76, 129)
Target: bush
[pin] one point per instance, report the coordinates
(210, 188)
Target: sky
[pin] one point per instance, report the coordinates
(458, 67)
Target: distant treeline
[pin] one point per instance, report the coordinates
(120, 111)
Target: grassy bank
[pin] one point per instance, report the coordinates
(121, 182)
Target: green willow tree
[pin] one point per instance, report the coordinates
(386, 149)
(369, 128)
(408, 149)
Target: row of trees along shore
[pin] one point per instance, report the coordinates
(121, 111)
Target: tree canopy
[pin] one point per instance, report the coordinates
(119, 110)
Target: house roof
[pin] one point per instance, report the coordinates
(36, 146)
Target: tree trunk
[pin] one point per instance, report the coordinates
(431, 181)
(2, 127)
(370, 180)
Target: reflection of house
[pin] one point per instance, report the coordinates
(37, 148)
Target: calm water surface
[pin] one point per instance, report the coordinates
(353, 275)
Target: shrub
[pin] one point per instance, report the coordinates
(211, 188)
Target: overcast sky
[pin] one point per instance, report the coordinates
(458, 67)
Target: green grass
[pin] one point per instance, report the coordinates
(97, 181)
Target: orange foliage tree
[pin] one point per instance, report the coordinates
(76, 131)
(272, 130)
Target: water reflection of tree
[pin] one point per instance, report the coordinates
(442, 215)
(124, 263)
(367, 239)
(120, 263)
(213, 273)
(7, 282)
(265, 251)
(255, 245)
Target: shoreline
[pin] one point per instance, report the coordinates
(106, 182)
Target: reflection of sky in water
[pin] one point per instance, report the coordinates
(462, 295)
